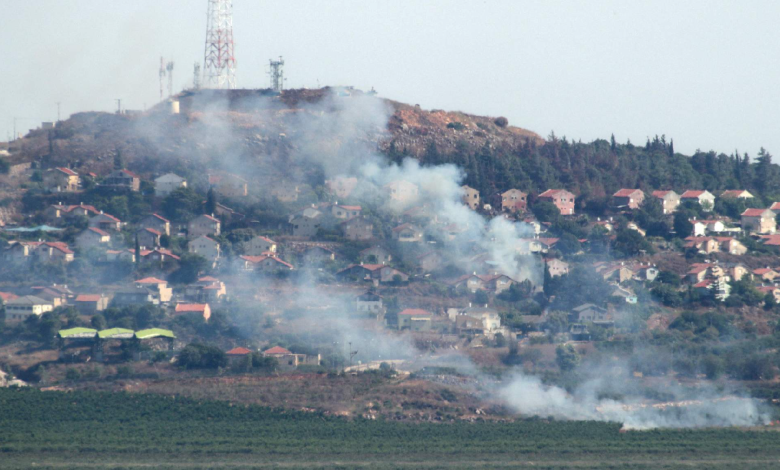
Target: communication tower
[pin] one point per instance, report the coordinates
(276, 72)
(196, 76)
(162, 76)
(169, 69)
(219, 62)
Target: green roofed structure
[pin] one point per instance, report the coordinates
(77, 333)
(154, 333)
(116, 333)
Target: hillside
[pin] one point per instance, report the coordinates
(258, 134)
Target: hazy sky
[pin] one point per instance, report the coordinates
(705, 73)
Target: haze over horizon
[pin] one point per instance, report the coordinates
(702, 73)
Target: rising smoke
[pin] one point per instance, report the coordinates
(339, 135)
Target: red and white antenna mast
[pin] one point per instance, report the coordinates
(219, 64)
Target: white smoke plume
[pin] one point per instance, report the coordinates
(708, 408)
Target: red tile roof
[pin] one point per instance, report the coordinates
(88, 298)
(153, 231)
(99, 232)
(692, 194)
(191, 307)
(68, 171)
(238, 352)
(553, 192)
(213, 219)
(6, 296)
(161, 218)
(276, 350)
(150, 280)
(661, 194)
(63, 247)
(626, 193)
(414, 311)
(753, 212)
(130, 173)
(733, 193)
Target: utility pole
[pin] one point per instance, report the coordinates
(351, 354)
(196, 76)
(118, 105)
(58, 111)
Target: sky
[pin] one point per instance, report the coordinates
(704, 73)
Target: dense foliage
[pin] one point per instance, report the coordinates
(82, 424)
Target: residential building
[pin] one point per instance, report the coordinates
(488, 320)
(122, 179)
(168, 183)
(375, 255)
(259, 245)
(307, 223)
(90, 304)
(341, 186)
(775, 207)
(156, 222)
(556, 267)
(342, 212)
(53, 252)
(470, 197)
(238, 356)
(56, 294)
(357, 228)
(60, 180)
(759, 221)
(92, 238)
(562, 199)
(514, 200)
(265, 264)
(19, 309)
(431, 261)
(205, 247)
(628, 198)
(206, 289)
(106, 222)
(134, 296)
(228, 185)
(203, 225)
(316, 255)
(589, 313)
(148, 238)
(736, 194)
(285, 192)
(415, 319)
(373, 272)
(670, 200)
(287, 360)
(402, 191)
(702, 197)
(203, 310)
(407, 233)
(370, 303)
(158, 286)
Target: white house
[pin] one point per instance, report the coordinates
(203, 225)
(19, 309)
(168, 183)
(259, 245)
(205, 247)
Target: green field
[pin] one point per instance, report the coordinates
(101, 430)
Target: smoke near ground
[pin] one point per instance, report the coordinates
(339, 136)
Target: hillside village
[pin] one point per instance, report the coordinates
(124, 264)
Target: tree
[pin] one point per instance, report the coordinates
(202, 356)
(182, 204)
(48, 326)
(566, 357)
(568, 244)
(682, 226)
(98, 322)
(481, 297)
(211, 202)
(631, 243)
(546, 211)
(137, 252)
(190, 267)
(119, 162)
